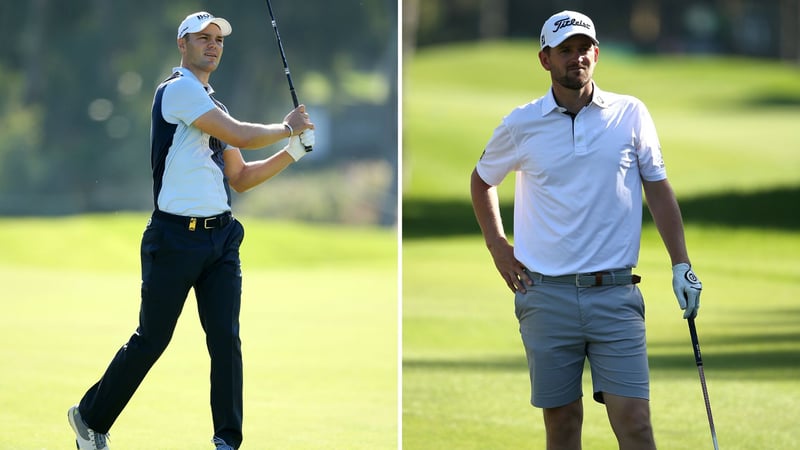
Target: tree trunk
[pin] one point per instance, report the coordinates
(32, 41)
(493, 19)
(409, 27)
(789, 34)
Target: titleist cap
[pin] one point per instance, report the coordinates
(564, 25)
(198, 21)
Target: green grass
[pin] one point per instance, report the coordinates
(728, 128)
(319, 334)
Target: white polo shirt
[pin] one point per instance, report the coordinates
(188, 168)
(578, 194)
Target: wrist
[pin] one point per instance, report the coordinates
(288, 129)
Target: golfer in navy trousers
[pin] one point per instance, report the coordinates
(192, 240)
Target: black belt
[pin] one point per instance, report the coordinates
(196, 223)
(609, 278)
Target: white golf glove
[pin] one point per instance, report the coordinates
(307, 138)
(687, 288)
(295, 149)
(297, 144)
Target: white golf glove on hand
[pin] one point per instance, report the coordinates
(295, 148)
(687, 288)
(307, 139)
(297, 144)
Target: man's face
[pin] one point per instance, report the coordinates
(571, 63)
(202, 50)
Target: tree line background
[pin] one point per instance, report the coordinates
(77, 82)
(761, 28)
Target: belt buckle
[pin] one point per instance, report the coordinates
(205, 223)
(581, 285)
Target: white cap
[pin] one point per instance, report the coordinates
(198, 21)
(566, 24)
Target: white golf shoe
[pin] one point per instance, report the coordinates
(85, 437)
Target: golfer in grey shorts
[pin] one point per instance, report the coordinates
(582, 157)
(562, 324)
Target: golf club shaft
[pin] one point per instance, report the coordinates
(285, 63)
(698, 359)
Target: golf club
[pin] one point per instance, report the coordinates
(285, 64)
(698, 359)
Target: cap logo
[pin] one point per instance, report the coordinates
(570, 22)
(203, 16)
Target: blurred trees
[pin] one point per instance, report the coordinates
(746, 27)
(76, 86)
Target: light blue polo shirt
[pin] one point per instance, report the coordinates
(188, 168)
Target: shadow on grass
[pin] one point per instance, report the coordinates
(745, 365)
(769, 209)
(773, 99)
(775, 365)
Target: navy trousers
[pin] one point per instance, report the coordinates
(175, 259)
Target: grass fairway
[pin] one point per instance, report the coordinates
(319, 336)
(728, 128)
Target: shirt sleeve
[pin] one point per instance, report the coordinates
(499, 157)
(184, 101)
(648, 148)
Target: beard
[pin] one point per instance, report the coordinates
(572, 80)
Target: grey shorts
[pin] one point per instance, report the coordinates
(563, 325)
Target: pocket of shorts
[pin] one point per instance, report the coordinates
(518, 298)
(637, 301)
(524, 302)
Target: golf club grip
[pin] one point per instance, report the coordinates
(698, 359)
(296, 104)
